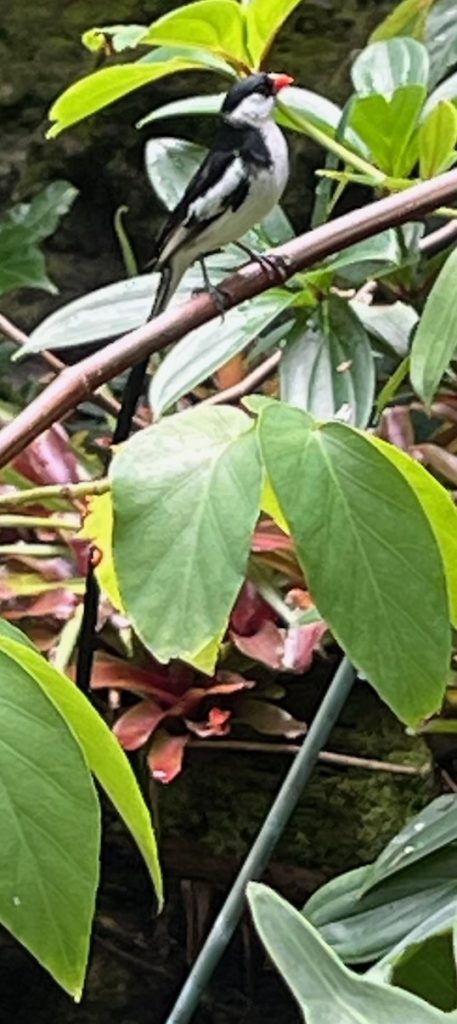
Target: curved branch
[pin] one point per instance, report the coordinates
(76, 383)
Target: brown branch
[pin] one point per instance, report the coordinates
(108, 403)
(76, 383)
(248, 384)
(325, 756)
(439, 239)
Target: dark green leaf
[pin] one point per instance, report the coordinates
(326, 991)
(96, 91)
(22, 228)
(215, 25)
(437, 138)
(41, 216)
(367, 550)
(50, 826)
(329, 365)
(205, 349)
(384, 67)
(425, 965)
(186, 496)
(263, 20)
(435, 340)
(101, 750)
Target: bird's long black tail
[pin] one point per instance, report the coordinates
(168, 284)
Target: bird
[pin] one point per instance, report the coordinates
(238, 183)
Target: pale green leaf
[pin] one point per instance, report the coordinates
(189, 489)
(435, 340)
(382, 68)
(437, 138)
(102, 751)
(407, 19)
(50, 825)
(387, 126)
(215, 25)
(390, 324)
(206, 348)
(326, 991)
(117, 37)
(441, 38)
(190, 105)
(96, 91)
(446, 91)
(263, 20)
(369, 555)
(170, 164)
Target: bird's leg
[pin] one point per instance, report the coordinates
(275, 266)
(216, 293)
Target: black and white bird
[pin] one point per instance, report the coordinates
(238, 183)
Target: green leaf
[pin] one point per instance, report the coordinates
(441, 39)
(409, 906)
(301, 106)
(371, 258)
(437, 138)
(102, 751)
(434, 828)
(119, 37)
(50, 826)
(384, 67)
(190, 105)
(13, 633)
(204, 58)
(435, 340)
(215, 25)
(329, 365)
(263, 20)
(170, 164)
(407, 19)
(22, 228)
(446, 91)
(387, 125)
(96, 91)
(205, 349)
(186, 496)
(426, 967)
(115, 309)
(326, 991)
(391, 325)
(439, 508)
(367, 550)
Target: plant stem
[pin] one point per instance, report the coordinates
(303, 125)
(272, 828)
(66, 643)
(64, 492)
(12, 522)
(22, 549)
(325, 756)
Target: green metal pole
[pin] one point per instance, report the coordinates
(271, 831)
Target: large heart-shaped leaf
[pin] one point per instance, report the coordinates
(50, 826)
(330, 365)
(207, 348)
(215, 25)
(326, 991)
(102, 752)
(186, 496)
(435, 340)
(367, 550)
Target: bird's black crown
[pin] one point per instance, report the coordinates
(261, 83)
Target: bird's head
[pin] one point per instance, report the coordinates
(251, 100)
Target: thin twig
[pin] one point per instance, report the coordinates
(64, 492)
(106, 402)
(76, 383)
(327, 756)
(12, 522)
(450, 782)
(439, 239)
(249, 383)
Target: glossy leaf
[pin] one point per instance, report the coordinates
(431, 830)
(215, 25)
(115, 37)
(50, 825)
(407, 19)
(409, 906)
(101, 751)
(298, 106)
(435, 340)
(13, 633)
(204, 58)
(447, 90)
(387, 124)
(439, 508)
(371, 258)
(96, 91)
(367, 550)
(441, 39)
(391, 324)
(329, 365)
(188, 106)
(116, 309)
(205, 349)
(263, 21)
(383, 67)
(186, 495)
(170, 164)
(437, 138)
(326, 991)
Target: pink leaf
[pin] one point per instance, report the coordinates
(269, 537)
(250, 610)
(49, 459)
(300, 643)
(135, 726)
(267, 645)
(166, 755)
(230, 682)
(120, 675)
(217, 724)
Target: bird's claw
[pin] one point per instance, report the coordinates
(219, 296)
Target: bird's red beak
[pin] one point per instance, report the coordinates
(280, 81)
